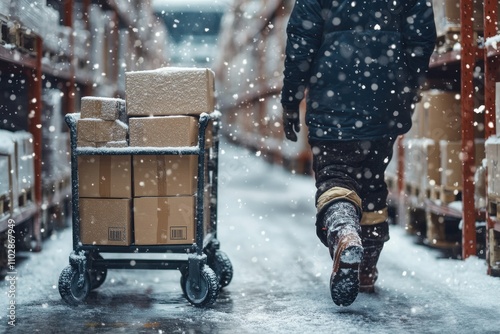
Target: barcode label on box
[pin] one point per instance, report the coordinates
(116, 234)
(178, 233)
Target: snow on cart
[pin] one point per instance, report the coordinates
(144, 180)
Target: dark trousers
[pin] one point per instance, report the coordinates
(355, 165)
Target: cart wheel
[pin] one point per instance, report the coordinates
(97, 277)
(223, 268)
(73, 288)
(203, 294)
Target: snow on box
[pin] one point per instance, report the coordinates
(170, 91)
(104, 108)
(163, 131)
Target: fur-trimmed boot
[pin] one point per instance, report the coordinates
(342, 224)
(373, 237)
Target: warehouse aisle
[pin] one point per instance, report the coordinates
(281, 274)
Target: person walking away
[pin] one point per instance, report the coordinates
(360, 65)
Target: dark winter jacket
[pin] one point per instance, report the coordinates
(360, 63)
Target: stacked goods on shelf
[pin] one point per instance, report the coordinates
(25, 167)
(7, 179)
(434, 158)
(249, 70)
(493, 188)
(26, 22)
(167, 116)
(104, 180)
(493, 201)
(17, 151)
(447, 18)
(55, 167)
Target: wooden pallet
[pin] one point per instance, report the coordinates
(26, 196)
(494, 250)
(450, 36)
(442, 232)
(27, 42)
(493, 206)
(22, 38)
(444, 194)
(4, 205)
(415, 222)
(412, 189)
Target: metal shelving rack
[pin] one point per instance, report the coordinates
(465, 60)
(491, 67)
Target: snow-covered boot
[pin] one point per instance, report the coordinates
(373, 237)
(342, 224)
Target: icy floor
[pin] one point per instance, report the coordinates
(281, 274)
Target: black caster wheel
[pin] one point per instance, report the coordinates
(202, 291)
(223, 268)
(97, 276)
(73, 287)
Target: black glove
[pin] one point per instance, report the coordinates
(291, 124)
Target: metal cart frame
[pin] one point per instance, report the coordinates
(206, 270)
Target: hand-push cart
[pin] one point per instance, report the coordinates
(206, 268)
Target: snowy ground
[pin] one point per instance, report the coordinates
(281, 274)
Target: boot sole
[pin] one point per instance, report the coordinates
(344, 284)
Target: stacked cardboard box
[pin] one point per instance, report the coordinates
(167, 116)
(105, 181)
(435, 139)
(101, 123)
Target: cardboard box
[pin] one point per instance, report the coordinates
(164, 220)
(442, 115)
(105, 176)
(492, 145)
(170, 91)
(447, 15)
(165, 175)
(451, 161)
(105, 221)
(98, 130)
(422, 162)
(104, 108)
(163, 131)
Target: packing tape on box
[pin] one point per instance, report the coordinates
(161, 174)
(159, 216)
(105, 176)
